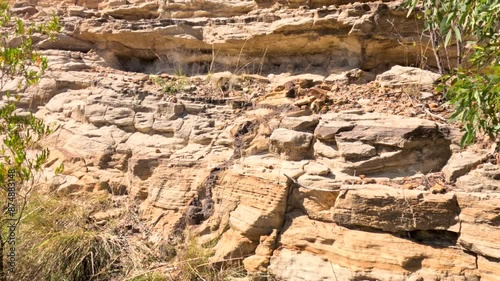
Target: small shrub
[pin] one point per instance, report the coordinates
(172, 86)
(58, 240)
(472, 87)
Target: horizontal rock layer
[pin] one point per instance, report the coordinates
(193, 38)
(271, 168)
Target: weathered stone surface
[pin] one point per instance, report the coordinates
(140, 142)
(304, 123)
(143, 122)
(27, 10)
(340, 28)
(485, 179)
(233, 245)
(489, 269)
(258, 263)
(354, 151)
(259, 211)
(66, 185)
(317, 204)
(121, 117)
(390, 130)
(310, 249)
(287, 264)
(319, 182)
(461, 163)
(328, 129)
(142, 166)
(76, 11)
(93, 149)
(163, 142)
(169, 191)
(322, 149)
(121, 10)
(480, 223)
(95, 114)
(317, 169)
(165, 167)
(354, 76)
(291, 145)
(171, 109)
(58, 102)
(393, 210)
(401, 75)
(373, 143)
(163, 125)
(270, 168)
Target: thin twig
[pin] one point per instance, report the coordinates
(432, 114)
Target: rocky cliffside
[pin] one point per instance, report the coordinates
(242, 36)
(317, 157)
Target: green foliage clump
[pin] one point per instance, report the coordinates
(21, 157)
(170, 86)
(18, 56)
(472, 85)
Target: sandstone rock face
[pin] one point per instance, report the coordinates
(393, 210)
(346, 254)
(479, 224)
(322, 170)
(327, 36)
(461, 163)
(377, 143)
(485, 179)
(293, 197)
(291, 144)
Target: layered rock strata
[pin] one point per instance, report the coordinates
(334, 174)
(196, 37)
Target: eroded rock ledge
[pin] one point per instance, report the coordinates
(338, 175)
(196, 37)
(293, 192)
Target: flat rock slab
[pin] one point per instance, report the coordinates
(303, 123)
(401, 75)
(390, 209)
(462, 163)
(485, 179)
(382, 144)
(313, 182)
(480, 221)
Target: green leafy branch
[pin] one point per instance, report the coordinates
(472, 86)
(18, 56)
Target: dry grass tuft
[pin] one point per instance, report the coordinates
(58, 240)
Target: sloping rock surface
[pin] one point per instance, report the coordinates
(313, 159)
